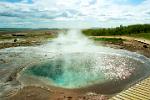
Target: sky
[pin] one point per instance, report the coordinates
(73, 13)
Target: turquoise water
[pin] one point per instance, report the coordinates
(79, 70)
(69, 71)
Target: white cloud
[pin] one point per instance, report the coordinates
(102, 11)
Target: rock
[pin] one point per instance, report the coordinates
(15, 40)
(69, 98)
(2, 60)
(145, 46)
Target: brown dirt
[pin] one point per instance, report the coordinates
(22, 42)
(141, 46)
(38, 93)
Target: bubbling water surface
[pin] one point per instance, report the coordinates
(79, 70)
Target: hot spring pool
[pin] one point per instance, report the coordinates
(87, 70)
(71, 63)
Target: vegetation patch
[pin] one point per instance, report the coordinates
(141, 35)
(113, 40)
(122, 30)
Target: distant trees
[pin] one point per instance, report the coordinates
(122, 30)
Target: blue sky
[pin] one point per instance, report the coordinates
(132, 2)
(72, 13)
(15, 1)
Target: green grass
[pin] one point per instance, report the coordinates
(141, 35)
(113, 40)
